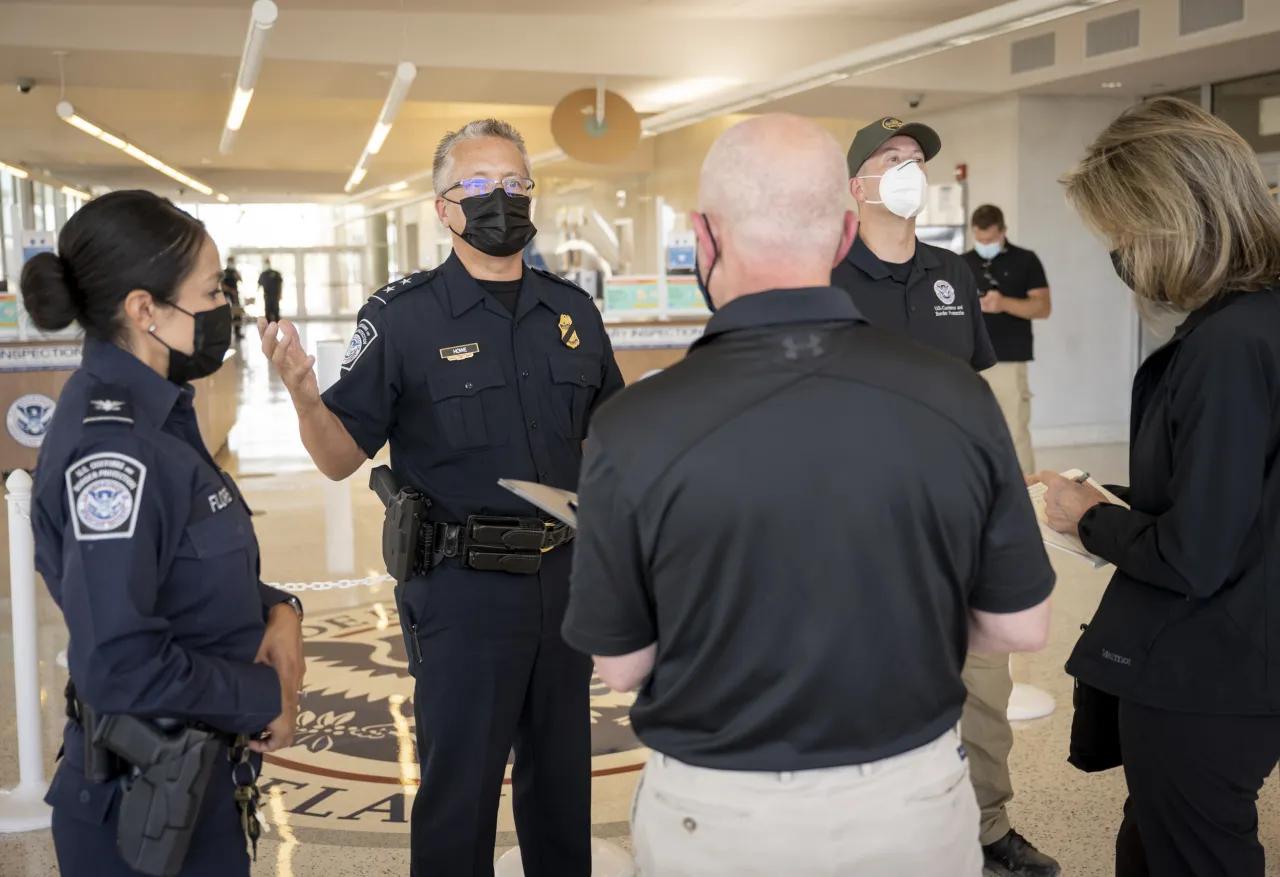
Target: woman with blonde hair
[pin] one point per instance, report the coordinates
(1187, 636)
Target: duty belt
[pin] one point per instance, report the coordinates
(498, 544)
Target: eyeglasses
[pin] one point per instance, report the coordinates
(992, 283)
(478, 186)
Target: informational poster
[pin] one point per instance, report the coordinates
(640, 294)
(8, 311)
(34, 242)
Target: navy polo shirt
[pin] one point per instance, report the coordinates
(936, 305)
(467, 392)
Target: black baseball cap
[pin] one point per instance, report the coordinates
(875, 135)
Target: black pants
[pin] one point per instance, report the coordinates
(493, 674)
(1193, 792)
(272, 305)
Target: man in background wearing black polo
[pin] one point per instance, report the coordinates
(929, 294)
(789, 538)
(1014, 292)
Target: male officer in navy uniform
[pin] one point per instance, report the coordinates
(479, 370)
(929, 294)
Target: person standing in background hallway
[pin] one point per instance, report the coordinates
(272, 283)
(1187, 636)
(929, 294)
(1014, 292)
(716, 507)
(231, 289)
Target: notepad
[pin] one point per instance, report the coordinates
(1063, 541)
(560, 504)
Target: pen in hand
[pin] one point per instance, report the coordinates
(1081, 478)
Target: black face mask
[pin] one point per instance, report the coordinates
(498, 224)
(212, 339)
(703, 285)
(1117, 262)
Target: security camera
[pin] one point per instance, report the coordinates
(914, 100)
(25, 84)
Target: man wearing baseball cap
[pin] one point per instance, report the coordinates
(930, 294)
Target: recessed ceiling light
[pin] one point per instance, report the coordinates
(1112, 84)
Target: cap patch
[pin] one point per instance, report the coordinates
(891, 124)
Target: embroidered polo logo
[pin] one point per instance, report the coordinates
(945, 291)
(568, 334)
(459, 353)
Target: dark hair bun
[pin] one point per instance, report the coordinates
(48, 292)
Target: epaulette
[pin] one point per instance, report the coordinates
(558, 279)
(109, 403)
(396, 287)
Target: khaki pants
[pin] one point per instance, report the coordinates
(910, 814)
(1008, 381)
(988, 738)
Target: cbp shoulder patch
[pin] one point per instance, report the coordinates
(366, 334)
(560, 280)
(104, 493)
(396, 287)
(109, 403)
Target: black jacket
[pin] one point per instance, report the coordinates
(1191, 618)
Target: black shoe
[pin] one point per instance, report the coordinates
(1013, 856)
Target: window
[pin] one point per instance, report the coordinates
(1252, 107)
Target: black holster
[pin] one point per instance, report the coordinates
(406, 534)
(166, 775)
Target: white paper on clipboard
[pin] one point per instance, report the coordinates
(1061, 541)
(560, 504)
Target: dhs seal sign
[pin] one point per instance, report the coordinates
(28, 419)
(945, 291)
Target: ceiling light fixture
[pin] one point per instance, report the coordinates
(398, 187)
(15, 171)
(83, 196)
(1113, 85)
(261, 18)
(405, 73)
(68, 114)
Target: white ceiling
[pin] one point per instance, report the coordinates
(901, 10)
(160, 73)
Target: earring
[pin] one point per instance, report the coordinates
(151, 328)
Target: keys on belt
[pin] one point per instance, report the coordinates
(499, 544)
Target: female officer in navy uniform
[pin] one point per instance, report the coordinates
(144, 543)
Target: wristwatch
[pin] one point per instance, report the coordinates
(293, 603)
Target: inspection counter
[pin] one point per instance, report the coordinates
(32, 374)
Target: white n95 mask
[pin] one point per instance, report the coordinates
(902, 189)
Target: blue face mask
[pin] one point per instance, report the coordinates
(989, 251)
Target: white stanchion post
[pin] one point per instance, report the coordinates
(607, 860)
(23, 808)
(1028, 702)
(329, 362)
(339, 517)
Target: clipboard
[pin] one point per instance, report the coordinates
(1061, 541)
(560, 504)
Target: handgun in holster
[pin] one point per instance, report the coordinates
(407, 536)
(165, 777)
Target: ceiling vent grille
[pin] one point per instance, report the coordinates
(1033, 53)
(1197, 15)
(1115, 34)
